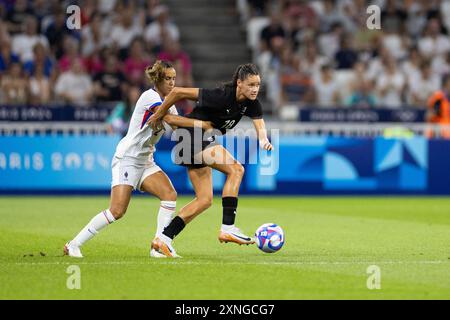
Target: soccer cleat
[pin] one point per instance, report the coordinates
(72, 250)
(164, 248)
(236, 236)
(156, 254)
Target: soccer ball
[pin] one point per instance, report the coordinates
(269, 237)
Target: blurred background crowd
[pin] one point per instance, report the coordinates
(42, 61)
(323, 53)
(318, 53)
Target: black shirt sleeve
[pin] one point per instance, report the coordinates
(212, 98)
(254, 110)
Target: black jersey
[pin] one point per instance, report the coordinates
(221, 108)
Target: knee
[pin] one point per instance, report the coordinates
(118, 211)
(169, 195)
(237, 170)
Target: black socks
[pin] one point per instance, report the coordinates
(229, 205)
(174, 228)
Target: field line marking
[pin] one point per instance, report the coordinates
(272, 263)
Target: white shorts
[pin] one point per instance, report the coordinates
(129, 173)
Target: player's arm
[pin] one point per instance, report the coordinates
(179, 121)
(174, 96)
(261, 132)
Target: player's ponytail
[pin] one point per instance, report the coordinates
(156, 72)
(243, 72)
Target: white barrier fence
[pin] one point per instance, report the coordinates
(284, 127)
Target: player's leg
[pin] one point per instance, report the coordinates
(120, 198)
(201, 179)
(158, 184)
(125, 177)
(217, 157)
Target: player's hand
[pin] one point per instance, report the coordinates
(155, 120)
(207, 125)
(266, 145)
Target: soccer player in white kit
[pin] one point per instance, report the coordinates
(133, 166)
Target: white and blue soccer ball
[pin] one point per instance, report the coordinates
(269, 237)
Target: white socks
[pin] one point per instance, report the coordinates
(97, 223)
(165, 214)
(104, 218)
(227, 228)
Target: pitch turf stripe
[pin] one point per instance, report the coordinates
(187, 262)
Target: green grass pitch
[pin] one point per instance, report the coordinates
(330, 243)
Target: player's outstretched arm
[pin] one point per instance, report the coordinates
(261, 132)
(179, 121)
(174, 96)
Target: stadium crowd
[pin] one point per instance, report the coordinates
(322, 53)
(44, 61)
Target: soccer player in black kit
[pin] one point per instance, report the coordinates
(224, 107)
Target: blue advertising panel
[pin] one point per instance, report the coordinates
(56, 162)
(300, 165)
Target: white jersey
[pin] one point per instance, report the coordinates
(140, 141)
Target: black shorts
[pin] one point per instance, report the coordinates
(191, 142)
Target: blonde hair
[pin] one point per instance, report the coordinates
(156, 72)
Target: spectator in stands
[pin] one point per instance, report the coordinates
(346, 56)
(14, 86)
(56, 32)
(120, 116)
(93, 37)
(123, 33)
(434, 43)
(296, 85)
(441, 64)
(411, 66)
(137, 61)
(4, 34)
(162, 29)
(39, 86)
(393, 16)
(71, 53)
(109, 84)
(17, 16)
(40, 59)
(180, 59)
(362, 95)
(329, 43)
(75, 86)
(389, 85)
(7, 57)
(326, 89)
(302, 10)
(23, 43)
(422, 86)
(273, 30)
(310, 60)
(258, 7)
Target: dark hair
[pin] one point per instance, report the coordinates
(156, 73)
(243, 72)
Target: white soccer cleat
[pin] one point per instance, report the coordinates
(164, 248)
(235, 235)
(72, 250)
(156, 254)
